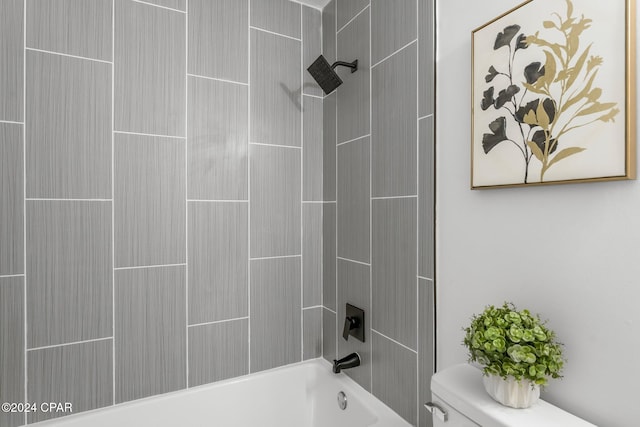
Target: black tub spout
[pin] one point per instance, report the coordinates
(350, 361)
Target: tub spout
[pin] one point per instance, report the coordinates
(350, 361)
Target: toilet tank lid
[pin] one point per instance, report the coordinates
(461, 387)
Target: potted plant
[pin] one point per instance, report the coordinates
(518, 352)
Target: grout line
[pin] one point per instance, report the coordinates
(370, 195)
(354, 261)
(249, 157)
(352, 140)
(216, 201)
(275, 257)
(215, 322)
(186, 187)
(217, 79)
(69, 343)
(275, 145)
(335, 231)
(24, 203)
(312, 307)
(328, 309)
(350, 21)
(306, 4)
(418, 222)
(301, 187)
(7, 276)
(394, 341)
(425, 117)
(66, 54)
(35, 199)
(138, 267)
(397, 51)
(11, 122)
(310, 95)
(251, 27)
(425, 278)
(158, 6)
(394, 197)
(317, 202)
(148, 134)
(113, 196)
(322, 216)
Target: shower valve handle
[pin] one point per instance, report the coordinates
(349, 324)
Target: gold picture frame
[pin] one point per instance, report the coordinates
(553, 94)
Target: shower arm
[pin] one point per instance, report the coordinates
(353, 65)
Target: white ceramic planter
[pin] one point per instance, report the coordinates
(512, 393)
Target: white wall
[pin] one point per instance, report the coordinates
(568, 252)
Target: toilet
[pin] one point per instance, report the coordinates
(459, 400)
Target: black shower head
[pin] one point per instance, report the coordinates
(324, 74)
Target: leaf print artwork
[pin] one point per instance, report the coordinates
(542, 91)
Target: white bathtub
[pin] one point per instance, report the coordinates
(302, 395)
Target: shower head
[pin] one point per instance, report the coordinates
(324, 74)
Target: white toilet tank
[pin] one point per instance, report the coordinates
(459, 400)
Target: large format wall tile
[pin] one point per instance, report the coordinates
(150, 332)
(393, 25)
(312, 254)
(173, 4)
(328, 334)
(394, 376)
(217, 142)
(312, 333)
(75, 27)
(311, 47)
(81, 374)
(329, 255)
(329, 147)
(150, 69)
(426, 350)
(11, 59)
(426, 200)
(354, 287)
(275, 313)
(354, 97)
(218, 351)
(218, 261)
(394, 130)
(393, 269)
(275, 89)
(426, 59)
(69, 268)
(149, 200)
(275, 201)
(329, 32)
(353, 200)
(11, 346)
(347, 9)
(11, 199)
(279, 16)
(312, 150)
(68, 127)
(219, 39)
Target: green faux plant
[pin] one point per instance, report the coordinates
(508, 342)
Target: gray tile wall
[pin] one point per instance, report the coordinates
(166, 186)
(148, 148)
(78, 373)
(11, 199)
(150, 331)
(12, 346)
(12, 60)
(381, 119)
(275, 313)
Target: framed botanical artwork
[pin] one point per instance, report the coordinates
(553, 94)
